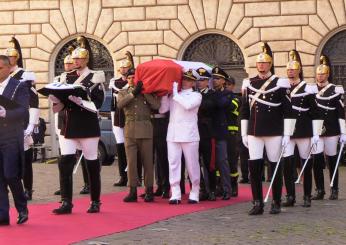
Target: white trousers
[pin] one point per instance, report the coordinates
(303, 144)
(119, 134)
(328, 145)
(89, 146)
(272, 145)
(190, 150)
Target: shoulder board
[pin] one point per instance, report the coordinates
(283, 83)
(98, 77)
(246, 83)
(28, 76)
(311, 88)
(339, 89)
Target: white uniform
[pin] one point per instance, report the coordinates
(183, 136)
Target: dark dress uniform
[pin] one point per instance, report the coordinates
(11, 150)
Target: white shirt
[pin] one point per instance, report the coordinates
(3, 85)
(183, 116)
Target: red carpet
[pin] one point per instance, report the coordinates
(44, 227)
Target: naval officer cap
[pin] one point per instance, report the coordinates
(203, 74)
(190, 75)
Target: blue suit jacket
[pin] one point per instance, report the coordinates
(12, 129)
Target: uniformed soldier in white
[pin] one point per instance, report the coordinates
(330, 102)
(307, 129)
(183, 136)
(27, 77)
(265, 118)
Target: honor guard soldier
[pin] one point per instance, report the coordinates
(233, 135)
(207, 141)
(308, 127)
(138, 132)
(12, 125)
(223, 104)
(77, 133)
(330, 101)
(183, 136)
(118, 117)
(17, 72)
(265, 118)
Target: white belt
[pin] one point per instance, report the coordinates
(264, 102)
(300, 108)
(325, 107)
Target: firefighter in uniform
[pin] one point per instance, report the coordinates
(265, 118)
(138, 132)
(207, 141)
(18, 73)
(118, 117)
(233, 136)
(77, 133)
(330, 101)
(307, 129)
(183, 136)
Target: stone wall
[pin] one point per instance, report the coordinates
(162, 28)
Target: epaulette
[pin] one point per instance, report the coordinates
(28, 76)
(311, 88)
(246, 83)
(98, 77)
(283, 83)
(339, 89)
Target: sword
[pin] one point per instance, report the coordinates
(337, 164)
(305, 163)
(78, 163)
(274, 174)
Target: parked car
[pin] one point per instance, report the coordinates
(106, 149)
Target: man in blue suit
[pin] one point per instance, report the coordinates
(12, 125)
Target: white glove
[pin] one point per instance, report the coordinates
(314, 140)
(342, 138)
(53, 99)
(2, 111)
(245, 141)
(175, 88)
(75, 99)
(28, 131)
(285, 141)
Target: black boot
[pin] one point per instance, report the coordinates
(28, 194)
(94, 207)
(94, 169)
(85, 190)
(275, 207)
(290, 201)
(307, 182)
(307, 201)
(122, 181)
(132, 196)
(65, 208)
(276, 188)
(334, 194)
(149, 195)
(318, 166)
(256, 170)
(289, 172)
(234, 186)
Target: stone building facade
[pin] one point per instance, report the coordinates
(167, 29)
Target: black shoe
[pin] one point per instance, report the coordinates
(174, 201)
(190, 201)
(290, 201)
(244, 181)
(307, 202)
(94, 207)
(203, 196)
(275, 208)
(319, 195)
(212, 196)
(23, 217)
(28, 194)
(165, 194)
(132, 196)
(121, 182)
(57, 193)
(65, 208)
(226, 196)
(334, 194)
(257, 209)
(158, 192)
(4, 222)
(149, 195)
(85, 190)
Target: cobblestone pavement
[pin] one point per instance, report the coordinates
(323, 223)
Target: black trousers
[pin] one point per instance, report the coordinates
(161, 163)
(207, 162)
(28, 172)
(233, 153)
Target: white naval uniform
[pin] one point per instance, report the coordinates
(183, 136)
